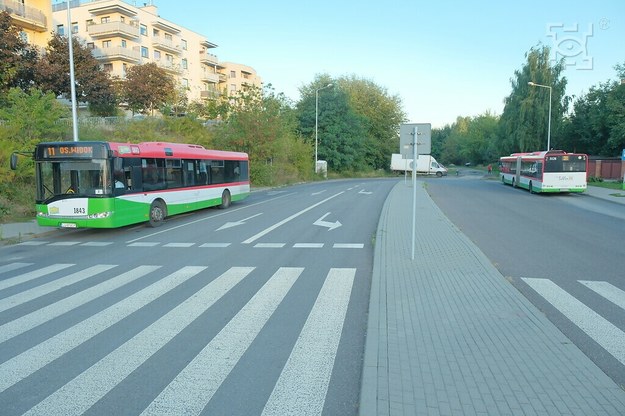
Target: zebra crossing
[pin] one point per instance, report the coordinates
(608, 335)
(302, 384)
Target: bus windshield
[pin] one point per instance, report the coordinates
(75, 178)
(565, 163)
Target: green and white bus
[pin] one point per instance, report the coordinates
(546, 171)
(106, 185)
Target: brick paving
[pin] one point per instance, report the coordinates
(449, 335)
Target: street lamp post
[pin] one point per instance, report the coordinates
(317, 121)
(533, 84)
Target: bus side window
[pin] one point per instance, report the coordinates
(203, 173)
(189, 172)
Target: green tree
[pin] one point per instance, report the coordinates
(147, 87)
(524, 121)
(28, 118)
(92, 84)
(18, 60)
(341, 131)
(262, 124)
(31, 116)
(382, 114)
(597, 124)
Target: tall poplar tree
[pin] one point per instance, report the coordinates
(525, 118)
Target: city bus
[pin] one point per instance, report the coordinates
(95, 184)
(546, 171)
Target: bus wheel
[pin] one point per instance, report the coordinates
(158, 212)
(225, 200)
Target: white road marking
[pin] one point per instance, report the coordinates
(284, 221)
(50, 287)
(608, 291)
(179, 245)
(196, 384)
(75, 397)
(610, 337)
(40, 316)
(303, 383)
(31, 360)
(216, 245)
(13, 281)
(269, 245)
(13, 266)
(308, 245)
(348, 245)
(143, 244)
(97, 244)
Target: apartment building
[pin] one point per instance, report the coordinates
(33, 17)
(238, 76)
(121, 35)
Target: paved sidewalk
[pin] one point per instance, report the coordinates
(449, 335)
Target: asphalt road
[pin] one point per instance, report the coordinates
(257, 308)
(563, 252)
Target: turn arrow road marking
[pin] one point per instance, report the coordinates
(330, 225)
(235, 223)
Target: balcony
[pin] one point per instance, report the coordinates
(25, 16)
(210, 77)
(208, 58)
(117, 53)
(113, 29)
(212, 94)
(169, 67)
(166, 45)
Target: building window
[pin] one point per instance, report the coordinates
(156, 33)
(157, 55)
(24, 36)
(144, 52)
(89, 23)
(122, 19)
(169, 58)
(60, 29)
(105, 19)
(184, 44)
(233, 88)
(144, 30)
(106, 43)
(108, 68)
(233, 74)
(74, 28)
(124, 43)
(90, 45)
(184, 64)
(124, 70)
(169, 37)
(185, 83)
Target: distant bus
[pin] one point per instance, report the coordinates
(547, 171)
(106, 185)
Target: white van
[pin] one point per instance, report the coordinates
(426, 165)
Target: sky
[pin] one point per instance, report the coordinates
(443, 58)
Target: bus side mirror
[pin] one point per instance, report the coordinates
(13, 161)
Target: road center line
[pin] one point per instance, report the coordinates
(284, 221)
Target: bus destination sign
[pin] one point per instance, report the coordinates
(78, 150)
